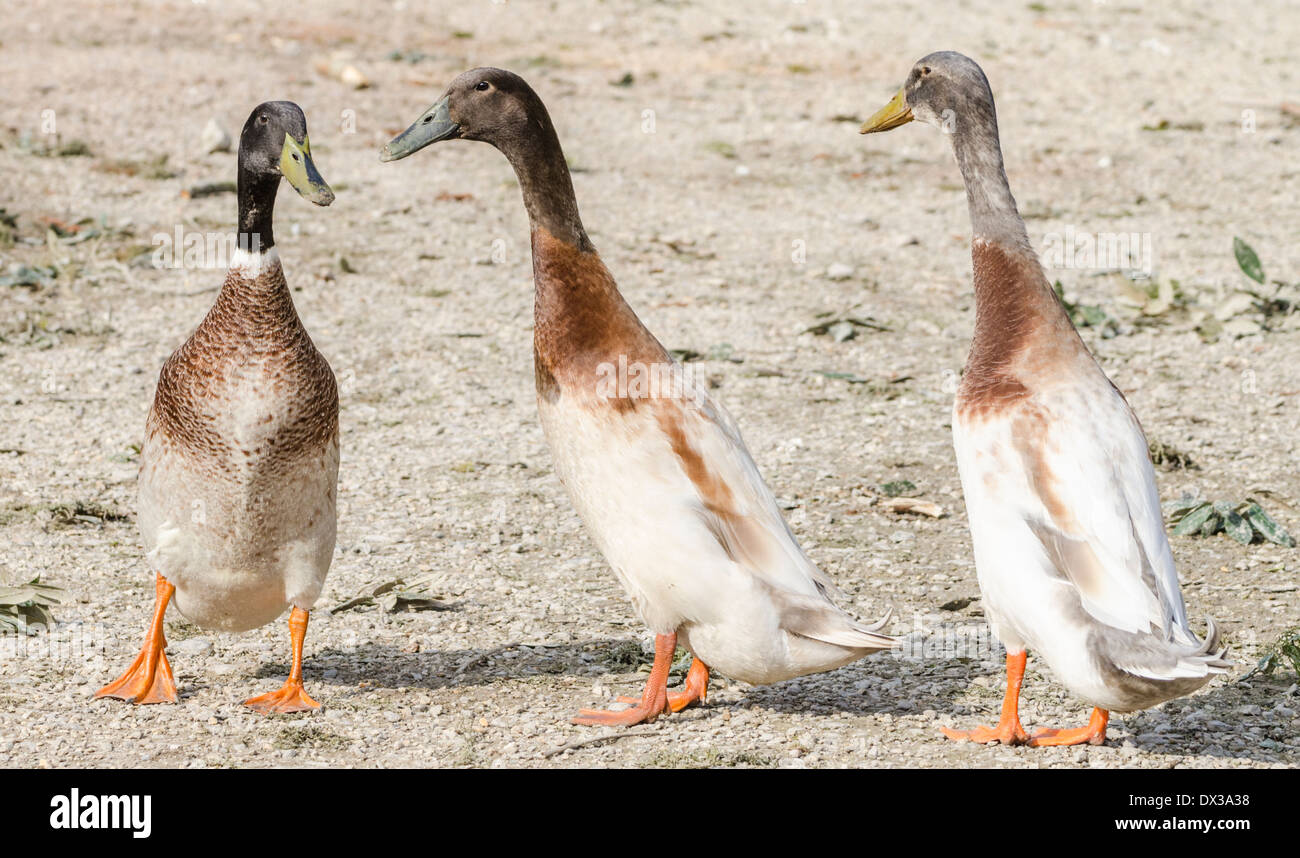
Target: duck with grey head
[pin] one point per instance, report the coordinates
(657, 469)
(239, 465)
(1070, 547)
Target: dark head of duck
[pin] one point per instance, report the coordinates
(500, 108)
(274, 145)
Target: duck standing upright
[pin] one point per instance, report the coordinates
(657, 470)
(1070, 547)
(239, 468)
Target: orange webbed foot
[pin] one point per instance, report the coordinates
(149, 678)
(291, 697)
(694, 689)
(639, 714)
(142, 683)
(1005, 733)
(652, 703)
(1008, 731)
(677, 700)
(1094, 733)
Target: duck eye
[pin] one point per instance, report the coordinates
(925, 70)
(261, 120)
(483, 86)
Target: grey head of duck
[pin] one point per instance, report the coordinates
(945, 89)
(949, 91)
(492, 105)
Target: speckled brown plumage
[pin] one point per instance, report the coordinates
(253, 326)
(238, 477)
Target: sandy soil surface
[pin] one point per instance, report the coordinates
(1116, 117)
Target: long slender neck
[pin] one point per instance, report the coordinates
(993, 213)
(256, 206)
(544, 179)
(1012, 296)
(579, 315)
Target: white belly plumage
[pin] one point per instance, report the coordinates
(646, 517)
(245, 537)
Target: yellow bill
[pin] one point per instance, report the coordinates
(298, 168)
(892, 115)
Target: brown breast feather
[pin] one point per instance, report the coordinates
(1022, 333)
(253, 322)
(581, 321)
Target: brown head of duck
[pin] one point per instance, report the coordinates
(581, 320)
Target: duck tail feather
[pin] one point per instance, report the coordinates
(822, 621)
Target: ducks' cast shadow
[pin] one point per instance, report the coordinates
(1227, 719)
(387, 666)
(873, 686)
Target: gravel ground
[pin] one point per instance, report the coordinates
(416, 286)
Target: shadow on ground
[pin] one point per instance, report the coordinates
(386, 666)
(1230, 719)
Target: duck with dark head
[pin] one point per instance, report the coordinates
(274, 146)
(657, 469)
(240, 459)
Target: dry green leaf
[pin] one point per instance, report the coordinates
(898, 488)
(396, 595)
(1169, 456)
(844, 326)
(1175, 509)
(1087, 315)
(1236, 526)
(27, 605)
(1241, 521)
(1285, 649)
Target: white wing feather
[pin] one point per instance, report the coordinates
(1096, 510)
(765, 536)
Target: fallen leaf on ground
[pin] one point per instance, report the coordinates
(396, 595)
(916, 505)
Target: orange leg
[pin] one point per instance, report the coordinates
(695, 688)
(654, 700)
(291, 697)
(149, 678)
(1008, 731)
(1093, 734)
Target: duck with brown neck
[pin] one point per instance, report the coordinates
(657, 470)
(1070, 546)
(239, 466)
